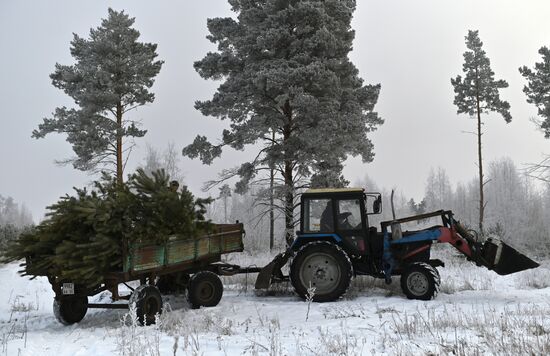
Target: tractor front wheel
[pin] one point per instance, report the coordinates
(321, 271)
(420, 281)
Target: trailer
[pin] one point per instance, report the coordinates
(179, 264)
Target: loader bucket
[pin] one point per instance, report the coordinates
(272, 271)
(504, 259)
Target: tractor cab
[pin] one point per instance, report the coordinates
(340, 216)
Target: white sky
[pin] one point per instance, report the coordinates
(412, 48)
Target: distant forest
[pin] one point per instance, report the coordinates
(14, 219)
(517, 208)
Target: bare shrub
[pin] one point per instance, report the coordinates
(132, 339)
(476, 329)
(538, 278)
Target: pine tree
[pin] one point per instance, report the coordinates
(225, 192)
(112, 75)
(477, 94)
(538, 93)
(286, 71)
(538, 88)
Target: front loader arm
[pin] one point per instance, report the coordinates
(464, 245)
(493, 253)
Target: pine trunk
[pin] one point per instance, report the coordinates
(271, 204)
(289, 204)
(480, 165)
(271, 213)
(119, 144)
(225, 209)
(288, 177)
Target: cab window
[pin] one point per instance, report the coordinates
(349, 214)
(318, 215)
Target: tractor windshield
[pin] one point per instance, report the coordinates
(349, 214)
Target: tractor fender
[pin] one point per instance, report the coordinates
(302, 240)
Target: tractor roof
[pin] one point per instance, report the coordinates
(334, 190)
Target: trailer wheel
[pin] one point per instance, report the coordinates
(70, 310)
(324, 266)
(147, 301)
(205, 290)
(420, 281)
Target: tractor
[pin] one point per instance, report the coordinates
(335, 243)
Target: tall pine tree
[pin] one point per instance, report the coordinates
(477, 94)
(289, 88)
(112, 75)
(538, 93)
(538, 88)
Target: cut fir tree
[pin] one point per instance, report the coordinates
(83, 236)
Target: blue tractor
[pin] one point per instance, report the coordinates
(335, 243)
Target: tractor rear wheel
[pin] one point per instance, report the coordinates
(205, 290)
(70, 309)
(147, 301)
(323, 268)
(420, 281)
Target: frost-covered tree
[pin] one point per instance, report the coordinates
(538, 93)
(506, 195)
(225, 193)
(477, 94)
(14, 219)
(112, 75)
(11, 213)
(290, 89)
(538, 88)
(169, 160)
(438, 191)
(462, 204)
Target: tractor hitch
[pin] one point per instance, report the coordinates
(272, 272)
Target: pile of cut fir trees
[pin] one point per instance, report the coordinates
(82, 236)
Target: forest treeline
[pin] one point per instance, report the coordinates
(14, 218)
(517, 207)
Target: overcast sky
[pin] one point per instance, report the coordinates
(412, 48)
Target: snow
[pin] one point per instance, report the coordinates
(477, 311)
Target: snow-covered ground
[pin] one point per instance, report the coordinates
(476, 312)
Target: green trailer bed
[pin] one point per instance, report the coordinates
(179, 250)
(194, 264)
